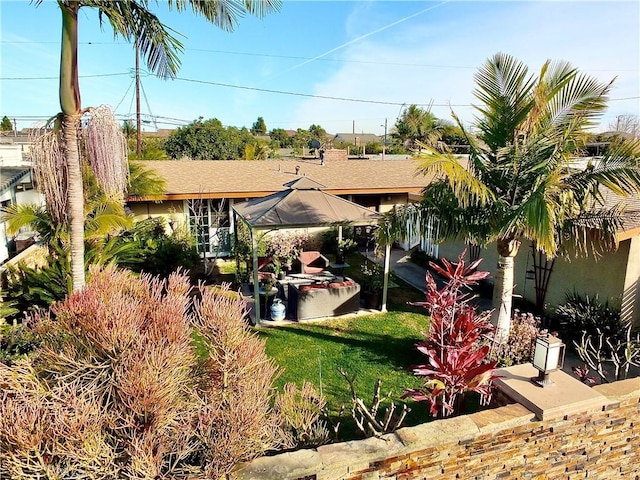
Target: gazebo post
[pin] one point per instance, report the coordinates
(385, 284)
(256, 281)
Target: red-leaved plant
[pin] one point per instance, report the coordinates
(457, 362)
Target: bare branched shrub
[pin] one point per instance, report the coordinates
(604, 353)
(369, 420)
(115, 388)
(300, 413)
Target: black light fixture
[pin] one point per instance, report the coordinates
(548, 356)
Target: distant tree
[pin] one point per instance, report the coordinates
(282, 138)
(629, 124)
(259, 127)
(6, 125)
(317, 133)
(153, 148)
(208, 140)
(302, 138)
(129, 129)
(454, 138)
(418, 125)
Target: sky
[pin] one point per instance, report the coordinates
(348, 66)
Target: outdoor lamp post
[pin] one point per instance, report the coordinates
(548, 356)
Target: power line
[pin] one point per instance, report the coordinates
(323, 59)
(325, 97)
(58, 77)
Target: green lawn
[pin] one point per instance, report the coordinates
(368, 346)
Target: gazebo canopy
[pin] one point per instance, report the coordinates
(303, 204)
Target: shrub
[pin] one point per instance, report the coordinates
(16, 341)
(300, 412)
(115, 388)
(589, 315)
(372, 277)
(525, 327)
(458, 363)
(422, 258)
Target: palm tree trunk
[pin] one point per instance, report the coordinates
(503, 287)
(75, 199)
(70, 104)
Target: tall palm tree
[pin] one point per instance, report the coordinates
(519, 181)
(133, 20)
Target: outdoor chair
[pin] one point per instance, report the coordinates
(312, 262)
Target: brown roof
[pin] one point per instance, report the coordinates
(303, 206)
(630, 214)
(257, 178)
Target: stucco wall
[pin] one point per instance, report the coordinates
(631, 296)
(167, 208)
(387, 202)
(604, 276)
(608, 275)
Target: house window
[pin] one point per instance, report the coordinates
(209, 224)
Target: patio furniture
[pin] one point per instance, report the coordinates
(265, 265)
(326, 299)
(312, 262)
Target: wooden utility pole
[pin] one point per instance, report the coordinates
(138, 126)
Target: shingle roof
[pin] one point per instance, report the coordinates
(9, 176)
(239, 179)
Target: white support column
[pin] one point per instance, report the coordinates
(385, 284)
(256, 282)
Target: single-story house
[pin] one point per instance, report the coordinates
(201, 191)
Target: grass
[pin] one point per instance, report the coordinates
(369, 347)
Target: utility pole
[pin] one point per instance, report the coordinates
(384, 141)
(138, 127)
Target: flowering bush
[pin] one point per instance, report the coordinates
(284, 246)
(518, 348)
(372, 277)
(458, 363)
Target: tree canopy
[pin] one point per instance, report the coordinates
(6, 125)
(210, 140)
(259, 127)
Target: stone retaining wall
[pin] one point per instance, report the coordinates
(508, 442)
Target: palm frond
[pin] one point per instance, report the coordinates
(32, 215)
(468, 188)
(144, 181)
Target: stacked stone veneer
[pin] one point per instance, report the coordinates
(508, 442)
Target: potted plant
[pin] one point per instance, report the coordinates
(372, 283)
(345, 246)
